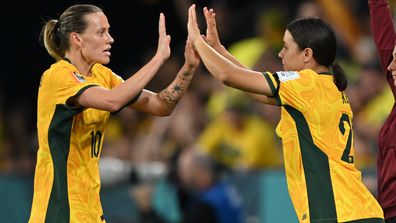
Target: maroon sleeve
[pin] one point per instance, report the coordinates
(384, 34)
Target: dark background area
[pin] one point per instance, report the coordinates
(133, 26)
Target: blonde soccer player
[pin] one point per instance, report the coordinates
(76, 95)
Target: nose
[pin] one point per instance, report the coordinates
(392, 65)
(280, 54)
(110, 39)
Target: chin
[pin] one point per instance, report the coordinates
(104, 60)
(286, 67)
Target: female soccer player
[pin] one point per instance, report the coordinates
(385, 40)
(76, 96)
(315, 125)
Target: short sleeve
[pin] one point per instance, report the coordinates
(68, 84)
(106, 76)
(112, 80)
(273, 82)
(115, 80)
(290, 87)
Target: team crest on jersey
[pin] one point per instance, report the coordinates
(79, 77)
(287, 75)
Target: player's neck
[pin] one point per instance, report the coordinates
(320, 69)
(82, 65)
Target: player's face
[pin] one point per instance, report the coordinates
(96, 40)
(291, 55)
(392, 66)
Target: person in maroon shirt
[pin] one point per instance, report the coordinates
(385, 37)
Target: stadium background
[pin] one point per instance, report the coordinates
(250, 29)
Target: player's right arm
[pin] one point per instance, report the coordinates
(212, 38)
(114, 99)
(383, 30)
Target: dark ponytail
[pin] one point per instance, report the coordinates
(339, 76)
(316, 34)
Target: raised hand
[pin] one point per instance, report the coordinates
(192, 25)
(163, 50)
(191, 56)
(212, 36)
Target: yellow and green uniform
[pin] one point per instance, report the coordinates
(67, 182)
(318, 148)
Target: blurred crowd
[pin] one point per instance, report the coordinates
(227, 125)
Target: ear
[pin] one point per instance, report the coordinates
(308, 54)
(75, 39)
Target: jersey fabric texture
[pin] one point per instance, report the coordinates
(318, 148)
(67, 182)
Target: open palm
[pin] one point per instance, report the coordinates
(212, 36)
(163, 49)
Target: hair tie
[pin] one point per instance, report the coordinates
(57, 24)
(331, 66)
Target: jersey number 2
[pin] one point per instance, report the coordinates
(345, 155)
(96, 139)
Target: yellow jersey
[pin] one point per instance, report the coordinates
(67, 182)
(317, 138)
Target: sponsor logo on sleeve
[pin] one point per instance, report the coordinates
(287, 75)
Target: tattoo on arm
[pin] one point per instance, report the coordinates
(168, 97)
(172, 94)
(177, 88)
(185, 76)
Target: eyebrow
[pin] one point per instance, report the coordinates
(103, 29)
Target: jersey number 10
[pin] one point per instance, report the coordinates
(96, 139)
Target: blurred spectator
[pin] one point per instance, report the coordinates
(215, 201)
(231, 138)
(184, 128)
(309, 9)
(259, 52)
(376, 101)
(344, 21)
(198, 193)
(20, 144)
